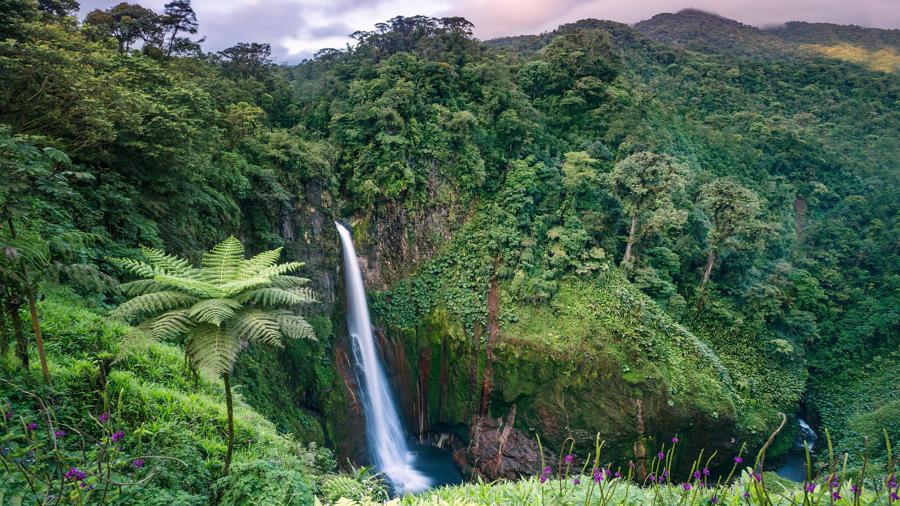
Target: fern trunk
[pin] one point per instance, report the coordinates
(38, 336)
(229, 408)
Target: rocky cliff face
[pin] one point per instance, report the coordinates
(436, 370)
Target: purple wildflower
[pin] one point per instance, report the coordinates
(705, 471)
(576, 481)
(661, 478)
(675, 439)
(31, 427)
(738, 459)
(661, 455)
(59, 434)
(545, 473)
(618, 474)
(746, 494)
(834, 482)
(598, 475)
(856, 490)
(810, 487)
(607, 472)
(570, 458)
(103, 417)
(835, 496)
(697, 475)
(665, 473)
(892, 482)
(757, 477)
(714, 500)
(9, 414)
(686, 486)
(652, 477)
(118, 435)
(631, 464)
(137, 463)
(75, 474)
(894, 496)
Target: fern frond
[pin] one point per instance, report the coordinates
(171, 324)
(214, 311)
(259, 262)
(153, 303)
(133, 266)
(256, 327)
(196, 287)
(295, 327)
(169, 264)
(212, 349)
(280, 269)
(288, 281)
(271, 296)
(234, 288)
(141, 287)
(222, 263)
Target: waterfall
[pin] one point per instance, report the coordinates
(793, 465)
(386, 438)
(805, 434)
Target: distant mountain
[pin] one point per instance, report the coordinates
(831, 34)
(696, 30)
(710, 33)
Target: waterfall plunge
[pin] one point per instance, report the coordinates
(386, 437)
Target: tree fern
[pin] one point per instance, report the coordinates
(219, 308)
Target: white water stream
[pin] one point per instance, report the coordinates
(385, 435)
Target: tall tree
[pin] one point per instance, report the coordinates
(645, 184)
(57, 9)
(127, 23)
(221, 307)
(247, 59)
(178, 17)
(733, 212)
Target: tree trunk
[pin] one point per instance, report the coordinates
(12, 307)
(710, 261)
(229, 408)
(171, 42)
(38, 337)
(799, 214)
(630, 242)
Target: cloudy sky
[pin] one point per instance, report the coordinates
(298, 28)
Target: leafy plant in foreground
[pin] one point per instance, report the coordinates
(48, 457)
(220, 308)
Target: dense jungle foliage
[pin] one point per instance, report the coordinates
(708, 207)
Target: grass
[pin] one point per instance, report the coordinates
(571, 483)
(170, 420)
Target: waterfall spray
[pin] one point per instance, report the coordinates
(385, 435)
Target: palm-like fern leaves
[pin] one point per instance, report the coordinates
(221, 307)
